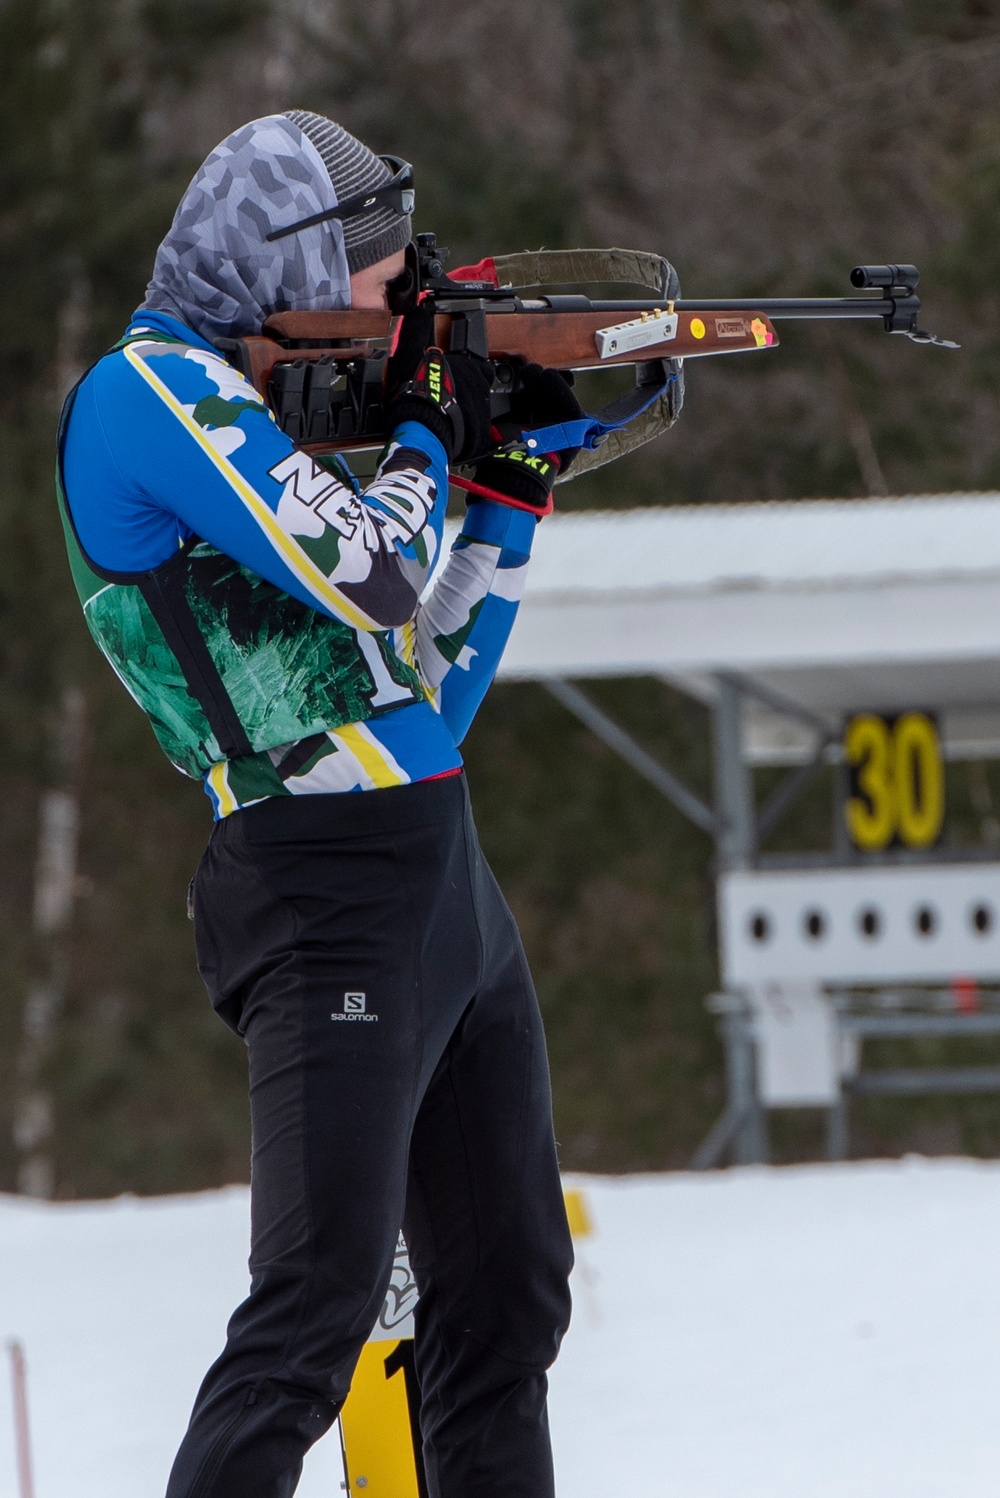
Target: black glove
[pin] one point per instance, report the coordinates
(449, 394)
(544, 398)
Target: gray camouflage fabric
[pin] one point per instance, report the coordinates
(215, 271)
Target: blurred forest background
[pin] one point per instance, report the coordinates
(765, 146)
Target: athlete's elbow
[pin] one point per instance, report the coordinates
(383, 602)
(395, 612)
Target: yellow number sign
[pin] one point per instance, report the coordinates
(380, 1421)
(896, 781)
(378, 1424)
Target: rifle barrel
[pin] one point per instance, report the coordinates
(897, 312)
(773, 307)
(799, 307)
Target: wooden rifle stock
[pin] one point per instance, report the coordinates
(538, 335)
(532, 333)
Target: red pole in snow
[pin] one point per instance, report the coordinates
(22, 1438)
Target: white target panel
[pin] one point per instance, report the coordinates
(923, 924)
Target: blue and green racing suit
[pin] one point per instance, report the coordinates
(274, 619)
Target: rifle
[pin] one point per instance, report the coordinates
(323, 373)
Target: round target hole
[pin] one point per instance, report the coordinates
(983, 919)
(814, 924)
(760, 926)
(925, 920)
(870, 922)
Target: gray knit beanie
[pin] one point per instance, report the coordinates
(368, 237)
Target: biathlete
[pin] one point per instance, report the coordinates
(269, 615)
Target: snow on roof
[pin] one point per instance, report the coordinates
(776, 587)
(772, 544)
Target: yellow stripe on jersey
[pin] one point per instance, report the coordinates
(405, 638)
(305, 570)
(372, 756)
(218, 779)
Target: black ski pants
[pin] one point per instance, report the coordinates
(362, 948)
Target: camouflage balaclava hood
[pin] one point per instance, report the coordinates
(216, 272)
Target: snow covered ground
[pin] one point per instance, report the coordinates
(795, 1333)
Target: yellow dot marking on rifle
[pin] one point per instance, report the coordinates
(577, 1213)
(306, 571)
(374, 759)
(697, 328)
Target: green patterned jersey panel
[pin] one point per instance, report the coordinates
(287, 670)
(120, 620)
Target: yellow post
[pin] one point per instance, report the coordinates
(577, 1213)
(379, 1424)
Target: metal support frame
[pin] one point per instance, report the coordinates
(616, 738)
(741, 1133)
(736, 841)
(909, 1081)
(734, 822)
(783, 798)
(749, 686)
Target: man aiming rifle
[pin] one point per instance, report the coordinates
(265, 611)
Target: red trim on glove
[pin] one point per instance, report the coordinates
(481, 492)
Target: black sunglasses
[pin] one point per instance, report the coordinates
(396, 194)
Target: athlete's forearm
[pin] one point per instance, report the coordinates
(462, 628)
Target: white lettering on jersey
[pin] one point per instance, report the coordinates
(318, 490)
(404, 501)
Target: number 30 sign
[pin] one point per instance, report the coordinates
(896, 793)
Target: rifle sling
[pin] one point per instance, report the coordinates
(654, 404)
(577, 267)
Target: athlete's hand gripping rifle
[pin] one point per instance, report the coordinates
(322, 373)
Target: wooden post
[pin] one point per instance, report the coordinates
(55, 889)
(22, 1434)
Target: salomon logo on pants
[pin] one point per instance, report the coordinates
(354, 1008)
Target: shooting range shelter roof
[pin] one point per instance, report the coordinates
(840, 605)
